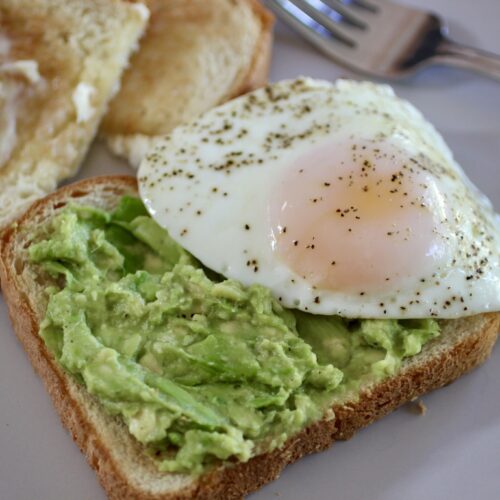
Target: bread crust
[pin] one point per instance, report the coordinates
(259, 69)
(226, 482)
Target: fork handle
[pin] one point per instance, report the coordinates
(455, 54)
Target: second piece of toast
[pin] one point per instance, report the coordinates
(194, 56)
(60, 62)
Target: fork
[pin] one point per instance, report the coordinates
(380, 38)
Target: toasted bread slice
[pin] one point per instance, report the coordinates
(124, 469)
(194, 56)
(60, 62)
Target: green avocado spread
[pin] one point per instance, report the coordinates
(200, 368)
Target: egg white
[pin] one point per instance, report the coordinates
(209, 184)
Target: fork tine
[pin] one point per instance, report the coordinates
(324, 42)
(370, 5)
(320, 18)
(348, 15)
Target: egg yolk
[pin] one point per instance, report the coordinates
(357, 216)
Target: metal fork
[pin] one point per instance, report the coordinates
(380, 38)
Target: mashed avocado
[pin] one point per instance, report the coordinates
(200, 368)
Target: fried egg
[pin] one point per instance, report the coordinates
(340, 198)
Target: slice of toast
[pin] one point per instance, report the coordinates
(60, 62)
(194, 56)
(124, 469)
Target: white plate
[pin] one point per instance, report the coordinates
(452, 452)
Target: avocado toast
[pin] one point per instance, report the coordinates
(127, 468)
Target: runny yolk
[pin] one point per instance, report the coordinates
(357, 217)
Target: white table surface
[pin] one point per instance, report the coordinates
(451, 452)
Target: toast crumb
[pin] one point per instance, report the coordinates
(417, 407)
